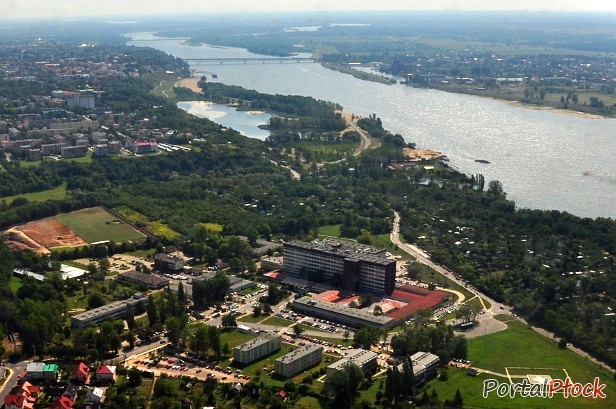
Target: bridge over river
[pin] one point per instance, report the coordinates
(251, 60)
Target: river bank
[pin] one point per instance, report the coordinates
(365, 76)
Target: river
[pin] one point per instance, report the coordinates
(546, 159)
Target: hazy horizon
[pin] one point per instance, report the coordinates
(70, 9)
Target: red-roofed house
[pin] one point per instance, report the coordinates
(283, 394)
(30, 391)
(62, 403)
(13, 401)
(105, 373)
(80, 373)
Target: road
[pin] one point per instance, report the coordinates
(15, 370)
(486, 325)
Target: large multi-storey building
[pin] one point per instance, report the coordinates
(354, 267)
(257, 348)
(296, 361)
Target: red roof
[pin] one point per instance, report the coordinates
(62, 403)
(417, 298)
(282, 394)
(82, 369)
(16, 400)
(104, 370)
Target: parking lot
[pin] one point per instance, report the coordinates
(177, 365)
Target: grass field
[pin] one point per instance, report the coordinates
(280, 322)
(96, 224)
(332, 230)
(251, 319)
(57, 193)
(520, 350)
(234, 338)
(156, 227)
(14, 284)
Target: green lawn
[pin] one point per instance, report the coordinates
(332, 230)
(96, 224)
(251, 319)
(279, 322)
(337, 341)
(14, 284)
(234, 338)
(524, 351)
(429, 275)
(307, 402)
(56, 193)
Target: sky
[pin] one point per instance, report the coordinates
(18, 9)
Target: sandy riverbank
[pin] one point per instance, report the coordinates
(190, 83)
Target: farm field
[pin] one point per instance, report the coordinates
(96, 224)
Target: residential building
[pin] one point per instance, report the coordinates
(341, 314)
(73, 151)
(152, 281)
(35, 371)
(50, 372)
(106, 374)
(139, 147)
(298, 360)
(14, 401)
(83, 99)
(114, 147)
(165, 262)
(351, 266)
(256, 349)
(52, 148)
(364, 359)
(94, 397)
(64, 402)
(34, 154)
(101, 150)
(425, 366)
(81, 372)
(113, 310)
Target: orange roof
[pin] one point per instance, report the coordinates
(417, 298)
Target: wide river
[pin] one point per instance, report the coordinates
(546, 159)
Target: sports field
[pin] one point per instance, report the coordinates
(96, 224)
(520, 353)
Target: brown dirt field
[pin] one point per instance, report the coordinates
(50, 233)
(17, 240)
(191, 84)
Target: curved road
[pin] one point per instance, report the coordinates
(497, 308)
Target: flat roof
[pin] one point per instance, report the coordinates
(149, 279)
(351, 251)
(299, 353)
(359, 358)
(109, 308)
(342, 310)
(253, 343)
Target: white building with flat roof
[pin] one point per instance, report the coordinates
(256, 349)
(297, 361)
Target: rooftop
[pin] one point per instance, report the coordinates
(253, 343)
(348, 250)
(299, 353)
(342, 310)
(149, 279)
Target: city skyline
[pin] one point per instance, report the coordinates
(69, 9)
